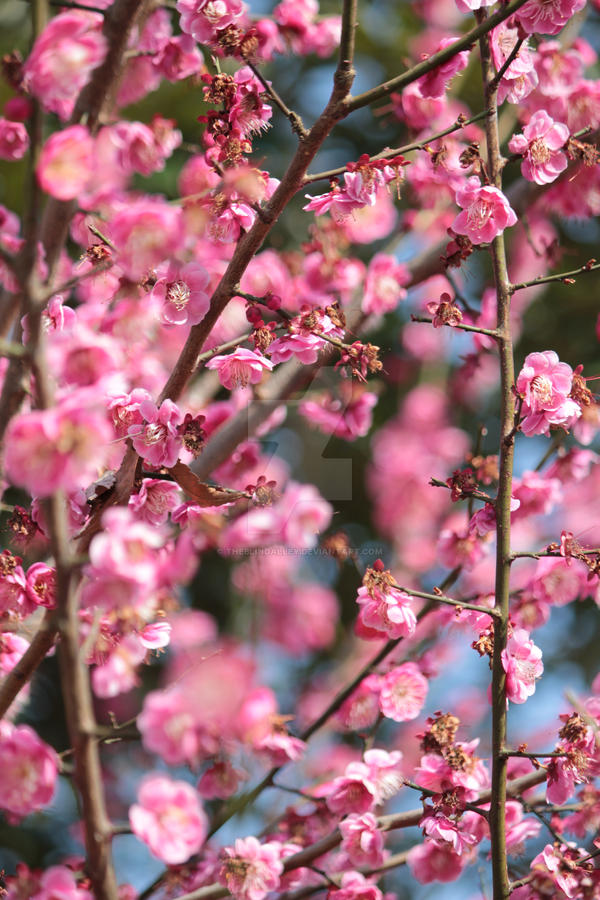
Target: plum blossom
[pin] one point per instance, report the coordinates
(240, 368)
(486, 212)
(251, 870)
(362, 841)
(547, 16)
(402, 692)
(54, 449)
(522, 662)
(386, 612)
(14, 140)
(541, 146)
(545, 383)
(58, 883)
(41, 585)
(62, 59)
(466, 6)
(354, 886)
(66, 162)
(157, 440)
(442, 830)
(384, 284)
(169, 818)
(434, 83)
(347, 418)
(145, 232)
(182, 290)
(155, 500)
(205, 18)
(432, 861)
(28, 770)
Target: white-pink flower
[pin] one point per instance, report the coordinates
(486, 212)
(403, 693)
(240, 368)
(362, 840)
(541, 146)
(545, 383)
(169, 818)
(66, 162)
(28, 770)
(522, 662)
(251, 870)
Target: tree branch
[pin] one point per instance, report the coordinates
(464, 43)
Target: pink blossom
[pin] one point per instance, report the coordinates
(541, 146)
(12, 648)
(466, 6)
(486, 212)
(41, 585)
(183, 292)
(62, 59)
(66, 162)
(14, 140)
(145, 232)
(58, 883)
(136, 148)
(403, 692)
(155, 500)
(240, 368)
(155, 635)
(352, 793)
(169, 818)
(388, 613)
(564, 774)
(443, 831)
(522, 662)
(559, 581)
(383, 772)
(547, 16)
(304, 513)
(203, 19)
(557, 864)
(28, 770)
(251, 870)
(361, 709)
(13, 593)
(362, 841)
(355, 886)
(178, 58)
(157, 439)
(467, 771)
(544, 383)
(117, 674)
(220, 781)
(518, 829)
(305, 347)
(384, 284)
(347, 420)
(54, 449)
(434, 83)
(435, 862)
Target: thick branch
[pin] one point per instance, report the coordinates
(506, 455)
